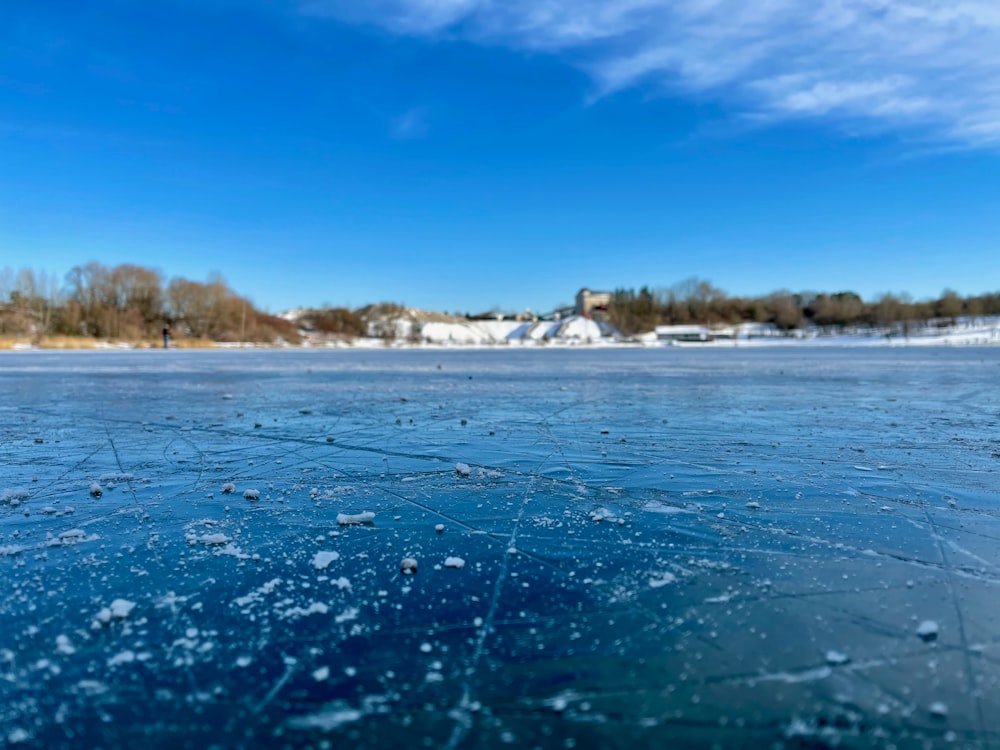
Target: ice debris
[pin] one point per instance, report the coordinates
(14, 496)
(228, 488)
(213, 539)
(321, 560)
(463, 470)
(118, 610)
(454, 562)
(251, 495)
(662, 579)
(408, 565)
(927, 630)
(355, 519)
(836, 658)
(63, 645)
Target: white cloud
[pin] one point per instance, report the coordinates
(923, 66)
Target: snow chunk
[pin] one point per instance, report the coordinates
(228, 488)
(351, 613)
(463, 470)
(314, 608)
(408, 565)
(119, 610)
(603, 514)
(355, 519)
(333, 717)
(836, 658)
(14, 496)
(251, 495)
(95, 489)
(342, 583)
(73, 536)
(927, 630)
(125, 657)
(258, 594)
(63, 645)
(662, 580)
(17, 735)
(323, 559)
(454, 562)
(938, 710)
(214, 539)
(321, 674)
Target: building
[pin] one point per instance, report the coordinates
(588, 301)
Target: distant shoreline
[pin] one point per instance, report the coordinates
(369, 344)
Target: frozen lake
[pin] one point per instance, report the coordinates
(613, 548)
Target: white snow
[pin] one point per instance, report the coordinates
(463, 470)
(328, 719)
(251, 494)
(408, 565)
(125, 657)
(228, 488)
(294, 613)
(73, 535)
(258, 594)
(662, 579)
(214, 539)
(351, 613)
(928, 630)
(355, 519)
(14, 496)
(836, 658)
(321, 560)
(63, 645)
(454, 562)
(17, 735)
(119, 609)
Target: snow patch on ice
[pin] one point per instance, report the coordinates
(321, 560)
(927, 630)
(119, 609)
(662, 579)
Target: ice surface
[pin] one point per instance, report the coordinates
(659, 548)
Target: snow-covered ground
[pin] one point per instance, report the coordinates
(410, 330)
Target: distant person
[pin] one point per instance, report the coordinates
(166, 336)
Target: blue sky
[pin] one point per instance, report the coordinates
(462, 154)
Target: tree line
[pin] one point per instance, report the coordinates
(130, 303)
(695, 301)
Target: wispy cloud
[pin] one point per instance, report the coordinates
(927, 67)
(410, 125)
